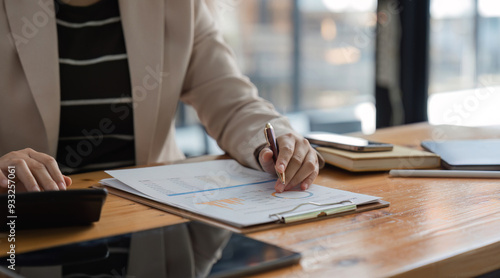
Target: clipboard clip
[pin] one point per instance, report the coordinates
(288, 216)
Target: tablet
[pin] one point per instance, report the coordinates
(52, 208)
(191, 249)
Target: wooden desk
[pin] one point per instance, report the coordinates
(433, 228)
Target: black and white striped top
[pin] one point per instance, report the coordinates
(96, 128)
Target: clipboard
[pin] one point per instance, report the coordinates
(284, 219)
(290, 216)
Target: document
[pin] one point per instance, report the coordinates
(226, 191)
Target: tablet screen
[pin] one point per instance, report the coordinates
(190, 249)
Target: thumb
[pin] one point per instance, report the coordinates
(67, 180)
(266, 160)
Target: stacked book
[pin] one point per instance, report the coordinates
(398, 158)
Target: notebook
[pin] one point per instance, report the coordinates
(399, 158)
(467, 154)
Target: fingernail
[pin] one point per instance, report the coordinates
(306, 186)
(280, 187)
(281, 167)
(62, 185)
(5, 182)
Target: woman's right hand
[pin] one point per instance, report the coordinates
(34, 171)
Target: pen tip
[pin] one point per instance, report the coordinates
(268, 125)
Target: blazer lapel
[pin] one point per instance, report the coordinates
(33, 28)
(143, 27)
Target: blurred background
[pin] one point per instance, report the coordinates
(344, 66)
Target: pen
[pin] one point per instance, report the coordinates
(445, 174)
(271, 141)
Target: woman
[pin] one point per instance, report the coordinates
(94, 84)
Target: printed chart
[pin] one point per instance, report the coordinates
(225, 190)
(293, 194)
(224, 203)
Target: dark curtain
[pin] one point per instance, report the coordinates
(402, 58)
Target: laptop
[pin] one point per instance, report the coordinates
(478, 154)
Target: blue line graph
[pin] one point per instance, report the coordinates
(213, 189)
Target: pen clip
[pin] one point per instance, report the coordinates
(310, 214)
(269, 134)
(267, 137)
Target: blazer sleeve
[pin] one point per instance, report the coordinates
(227, 103)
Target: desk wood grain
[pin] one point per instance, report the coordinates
(433, 228)
(118, 216)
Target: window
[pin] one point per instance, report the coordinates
(313, 59)
(464, 85)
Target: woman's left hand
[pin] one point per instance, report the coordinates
(296, 158)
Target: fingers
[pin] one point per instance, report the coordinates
(34, 170)
(286, 146)
(68, 181)
(299, 160)
(4, 182)
(308, 181)
(266, 160)
(307, 172)
(24, 175)
(41, 175)
(48, 171)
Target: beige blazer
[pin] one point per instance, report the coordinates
(175, 52)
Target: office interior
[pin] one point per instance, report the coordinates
(355, 66)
